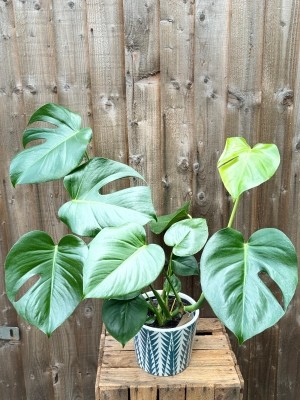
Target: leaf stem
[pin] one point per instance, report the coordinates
(87, 156)
(196, 306)
(175, 292)
(161, 303)
(236, 203)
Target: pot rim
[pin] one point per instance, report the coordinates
(176, 328)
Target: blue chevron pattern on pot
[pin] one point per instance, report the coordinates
(166, 352)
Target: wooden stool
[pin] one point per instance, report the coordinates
(213, 373)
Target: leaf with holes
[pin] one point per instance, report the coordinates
(242, 168)
(89, 210)
(61, 152)
(57, 271)
(230, 280)
(120, 262)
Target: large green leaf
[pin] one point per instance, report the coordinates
(52, 275)
(120, 262)
(124, 318)
(242, 167)
(230, 280)
(165, 221)
(187, 237)
(89, 211)
(62, 150)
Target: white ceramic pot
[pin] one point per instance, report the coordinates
(166, 352)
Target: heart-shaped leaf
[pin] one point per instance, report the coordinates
(61, 152)
(120, 262)
(242, 168)
(57, 272)
(187, 237)
(124, 318)
(89, 211)
(165, 221)
(230, 280)
(185, 266)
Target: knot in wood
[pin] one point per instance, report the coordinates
(37, 6)
(188, 85)
(235, 99)
(137, 159)
(31, 89)
(285, 97)
(201, 196)
(175, 84)
(196, 167)
(202, 17)
(182, 164)
(165, 182)
(17, 90)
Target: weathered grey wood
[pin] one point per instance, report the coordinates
(177, 100)
(212, 20)
(74, 375)
(142, 63)
(162, 83)
(288, 383)
(106, 55)
(37, 75)
(244, 89)
(12, 383)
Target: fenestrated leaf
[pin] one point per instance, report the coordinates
(120, 262)
(187, 237)
(124, 318)
(242, 167)
(49, 301)
(185, 266)
(165, 221)
(89, 211)
(230, 281)
(59, 154)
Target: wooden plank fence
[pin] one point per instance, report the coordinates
(162, 84)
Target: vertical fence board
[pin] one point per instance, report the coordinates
(288, 383)
(244, 89)
(36, 48)
(74, 361)
(211, 43)
(142, 63)
(177, 101)
(243, 119)
(106, 50)
(12, 384)
(72, 57)
(278, 77)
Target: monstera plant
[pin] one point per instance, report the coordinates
(47, 278)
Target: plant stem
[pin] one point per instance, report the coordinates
(160, 301)
(196, 306)
(175, 292)
(236, 203)
(87, 156)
